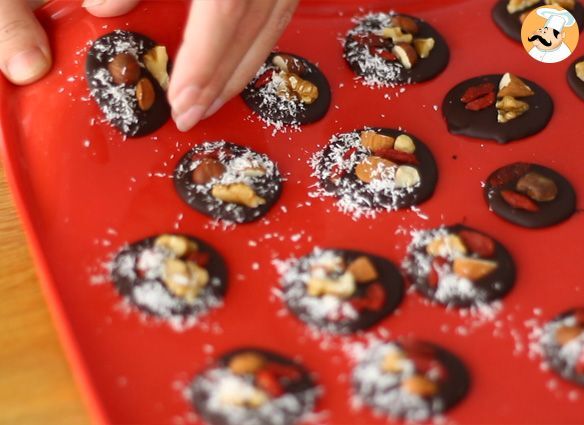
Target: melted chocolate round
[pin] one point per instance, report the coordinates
(434, 278)
(145, 288)
(261, 95)
(549, 212)
(576, 83)
(384, 379)
(510, 24)
(234, 159)
(291, 391)
(118, 102)
(366, 60)
(335, 167)
(483, 124)
(562, 342)
(371, 302)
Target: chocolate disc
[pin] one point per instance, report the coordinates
(263, 94)
(370, 56)
(140, 269)
(542, 213)
(252, 178)
(337, 164)
(576, 83)
(510, 23)
(118, 101)
(410, 380)
(331, 291)
(253, 386)
(562, 342)
(459, 266)
(483, 124)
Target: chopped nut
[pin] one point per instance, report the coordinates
(444, 246)
(207, 170)
(580, 70)
(343, 287)
(254, 172)
(537, 187)
(156, 61)
(145, 94)
(237, 193)
(178, 245)
(424, 46)
(184, 279)
(420, 386)
(404, 143)
(566, 4)
(473, 269)
(566, 334)
(124, 69)
(406, 23)
(288, 63)
(375, 141)
(251, 399)
(248, 362)
(519, 5)
(513, 86)
(406, 176)
(393, 362)
(363, 270)
(372, 168)
(406, 54)
(396, 35)
(510, 108)
(306, 91)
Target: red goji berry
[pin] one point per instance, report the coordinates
(432, 278)
(508, 174)
(283, 371)
(397, 156)
(369, 39)
(201, 258)
(264, 79)
(482, 102)
(478, 243)
(474, 92)
(517, 200)
(269, 383)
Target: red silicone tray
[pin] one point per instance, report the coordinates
(83, 191)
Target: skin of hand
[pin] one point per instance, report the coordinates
(225, 42)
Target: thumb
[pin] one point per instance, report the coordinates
(106, 8)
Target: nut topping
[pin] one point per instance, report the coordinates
(405, 23)
(406, 54)
(145, 94)
(184, 279)
(362, 270)
(510, 108)
(294, 86)
(513, 86)
(537, 187)
(372, 168)
(237, 193)
(178, 245)
(246, 363)
(393, 362)
(396, 35)
(290, 64)
(124, 69)
(446, 245)
(580, 70)
(473, 269)
(343, 287)
(420, 386)
(254, 172)
(406, 176)
(207, 170)
(424, 46)
(156, 61)
(253, 398)
(519, 5)
(375, 141)
(566, 334)
(404, 143)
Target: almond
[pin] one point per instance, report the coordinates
(124, 69)
(566, 334)
(406, 176)
(178, 245)
(473, 269)
(254, 172)
(406, 23)
(393, 362)
(404, 143)
(519, 5)
(424, 46)
(537, 187)
(513, 86)
(510, 108)
(237, 193)
(363, 270)
(372, 168)
(420, 385)
(580, 70)
(156, 61)
(207, 170)
(247, 362)
(375, 141)
(145, 94)
(288, 63)
(445, 246)
(406, 54)
(396, 35)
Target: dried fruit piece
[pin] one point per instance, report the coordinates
(269, 383)
(343, 287)
(384, 54)
(513, 86)
(393, 362)
(184, 279)
(508, 174)
(237, 193)
(375, 141)
(406, 54)
(124, 69)
(264, 79)
(510, 108)
(473, 269)
(566, 334)
(566, 4)
(178, 245)
(519, 5)
(424, 46)
(420, 385)
(207, 170)
(396, 35)
(247, 362)
(362, 270)
(369, 39)
(371, 168)
(445, 246)
(478, 243)
(474, 92)
(406, 23)
(156, 61)
(481, 103)
(288, 63)
(398, 157)
(580, 70)
(406, 176)
(520, 201)
(537, 187)
(404, 143)
(433, 275)
(145, 94)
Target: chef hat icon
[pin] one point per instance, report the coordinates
(556, 19)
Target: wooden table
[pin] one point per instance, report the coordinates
(36, 386)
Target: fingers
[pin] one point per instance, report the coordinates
(106, 8)
(24, 48)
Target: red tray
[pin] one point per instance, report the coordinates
(83, 192)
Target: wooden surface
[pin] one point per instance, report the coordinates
(36, 386)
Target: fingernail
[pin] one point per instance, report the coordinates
(92, 3)
(187, 120)
(215, 106)
(185, 99)
(27, 66)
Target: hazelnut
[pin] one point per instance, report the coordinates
(580, 70)
(375, 141)
(406, 54)
(124, 69)
(248, 362)
(145, 94)
(566, 334)
(396, 35)
(424, 46)
(444, 246)
(519, 5)
(510, 108)
(513, 86)
(156, 61)
(406, 23)
(473, 269)
(404, 143)
(288, 63)
(406, 176)
(372, 168)
(207, 170)
(178, 245)
(237, 193)
(419, 385)
(537, 187)
(363, 270)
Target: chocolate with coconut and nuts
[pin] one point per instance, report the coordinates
(375, 169)
(228, 181)
(530, 195)
(387, 49)
(128, 77)
(576, 77)
(497, 107)
(253, 386)
(340, 290)
(170, 276)
(288, 90)
(562, 342)
(410, 380)
(459, 266)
